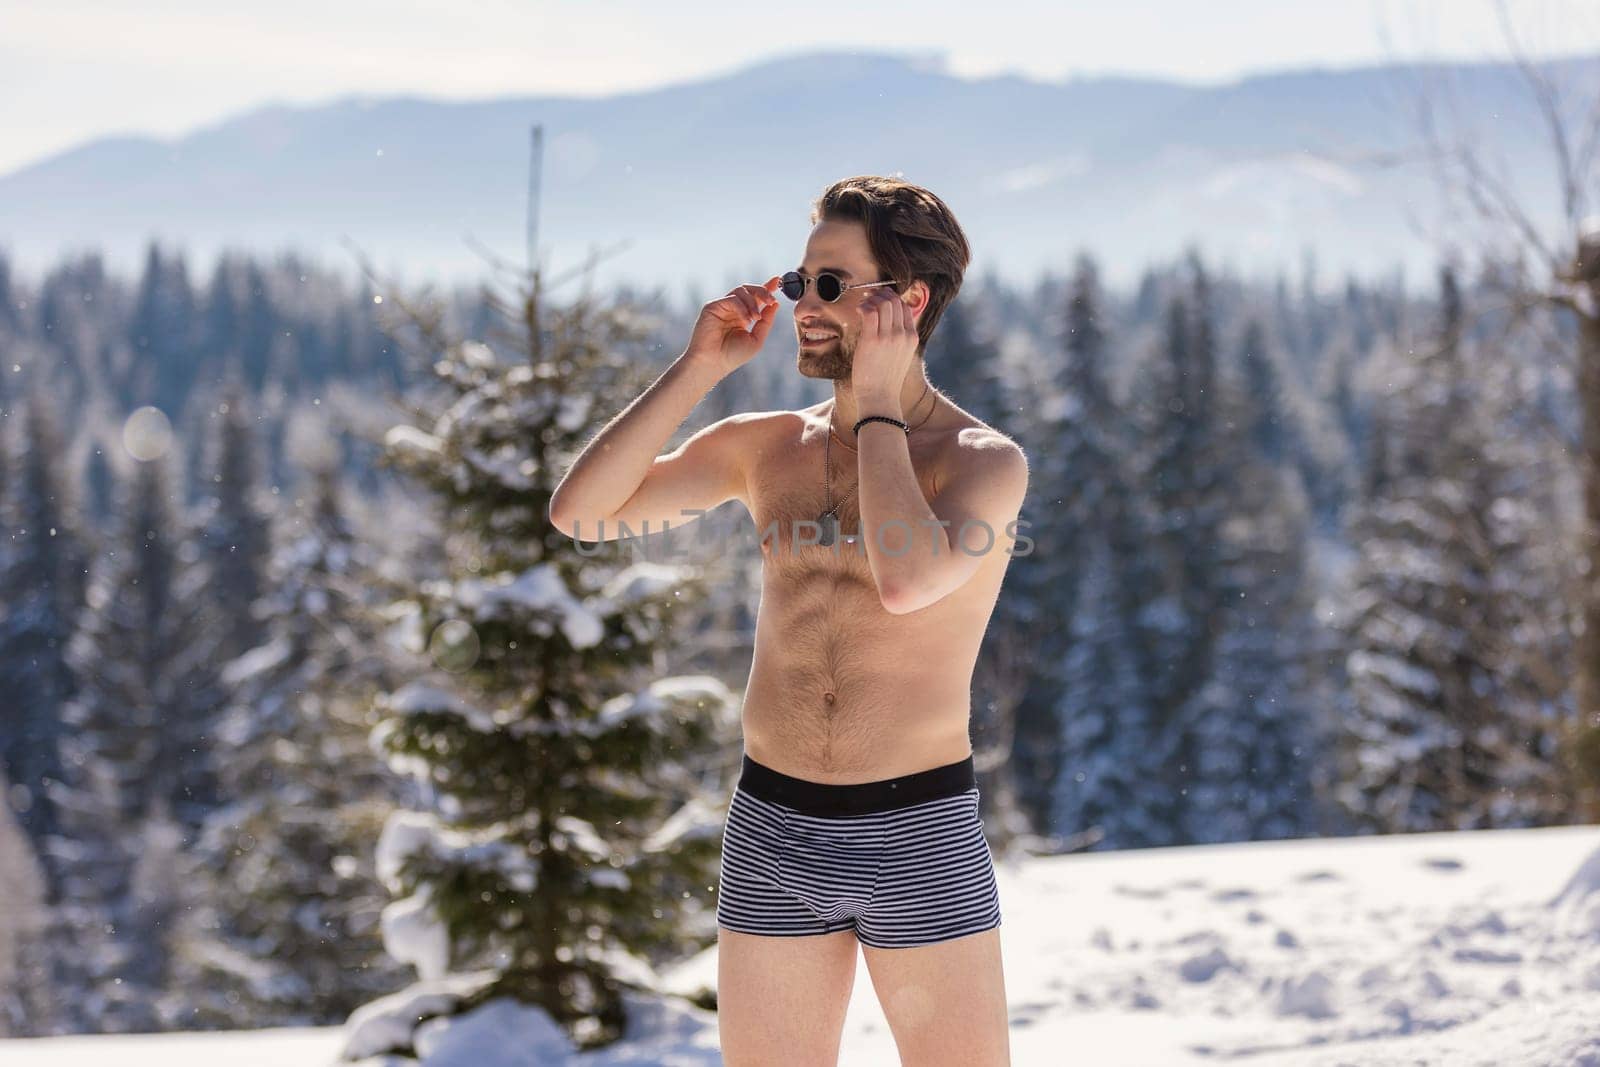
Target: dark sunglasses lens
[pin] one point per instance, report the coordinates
(829, 287)
(794, 286)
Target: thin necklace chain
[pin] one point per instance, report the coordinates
(827, 459)
(914, 407)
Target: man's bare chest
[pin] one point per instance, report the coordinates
(790, 503)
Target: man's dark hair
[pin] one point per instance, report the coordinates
(911, 233)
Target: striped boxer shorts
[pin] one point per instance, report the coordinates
(901, 861)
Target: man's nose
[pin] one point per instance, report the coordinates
(809, 302)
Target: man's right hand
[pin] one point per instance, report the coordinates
(732, 328)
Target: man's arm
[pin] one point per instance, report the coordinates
(920, 553)
(619, 477)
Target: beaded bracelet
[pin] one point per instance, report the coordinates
(879, 418)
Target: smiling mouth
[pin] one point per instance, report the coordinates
(805, 343)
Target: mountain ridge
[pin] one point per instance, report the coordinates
(1255, 170)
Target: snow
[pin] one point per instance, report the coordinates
(579, 833)
(697, 818)
(406, 833)
(1478, 947)
(659, 698)
(417, 698)
(1577, 906)
(414, 934)
(500, 1031)
(702, 690)
(257, 661)
(475, 354)
(403, 631)
(1397, 673)
(644, 580)
(540, 588)
(387, 1023)
(574, 412)
(265, 982)
(411, 928)
(408, 440)
(509, 464)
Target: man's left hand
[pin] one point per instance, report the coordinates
(885, 348)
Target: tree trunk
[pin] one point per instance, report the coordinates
(1587, 746)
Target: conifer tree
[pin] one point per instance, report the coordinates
(1226, 640)
(220, 321)
(282, 926)
(1262, 391)
(131, 761)
(40, 595)
(233, 529)
(162, 330)
(10, 313)
(99, 485)
(1083, 518)
(1443, 729)
(41, 592)
(1101, 792)
(1184, 499)
(572, 825)
(968, 367)
(1253, 725)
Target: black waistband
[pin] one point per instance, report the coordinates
(856, 798)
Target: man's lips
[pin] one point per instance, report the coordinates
(831, 337)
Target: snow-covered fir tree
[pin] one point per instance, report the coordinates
(26, 988)
(1084, 521)
(967, 366)
(233, 528)
(1254, 724)
(42, 563)
(161, 331)
(1099, 795)
(10, 311)
(1445, 727)
(1223, 639)
(1533, 493)
(99, 485)
(132, 758)
(1180, 469)
(1060, 431)
(282, 923)
(1265, 426)
(573, 829)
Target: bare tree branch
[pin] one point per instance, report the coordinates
(1544, 93)
(1463, 171)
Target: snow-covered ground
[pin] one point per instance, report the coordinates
(1460, 949)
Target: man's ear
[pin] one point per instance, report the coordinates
(919, 290)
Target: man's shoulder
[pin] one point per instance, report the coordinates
(747, 434)
(975, 441)
(975, 449)
(747, 425)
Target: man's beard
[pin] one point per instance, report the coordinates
(832, 361)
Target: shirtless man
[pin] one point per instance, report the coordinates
(855, 819)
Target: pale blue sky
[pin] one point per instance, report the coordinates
(74, 69)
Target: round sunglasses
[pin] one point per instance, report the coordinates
(829, 286)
